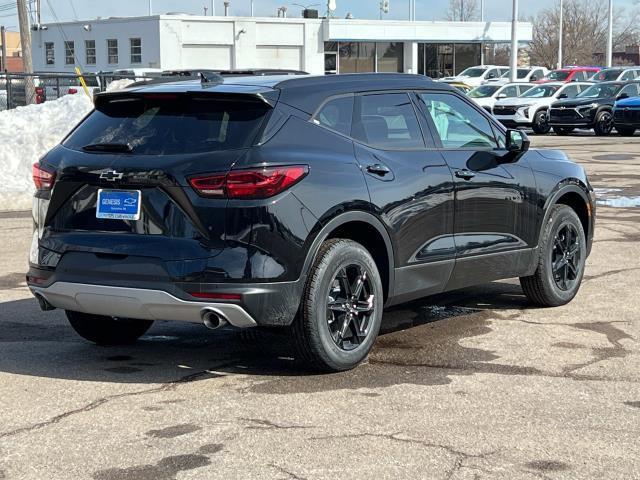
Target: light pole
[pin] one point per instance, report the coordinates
(482, 44)
(610, 36)
(560, 35)
(513, 67)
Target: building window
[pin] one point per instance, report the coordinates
(390, 57)
(112, 51)
(466, 55)
(90, 52)
(69, 53)
(49, 53)
(136, 50)
(357, 57)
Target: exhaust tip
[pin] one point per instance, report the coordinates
(213, 320)
(45, 306)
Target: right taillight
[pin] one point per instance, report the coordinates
(253, 183)
(42, 178)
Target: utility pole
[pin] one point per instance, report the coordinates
(252, 8)
(610, 36)
(3, 39)
(25, 42)
(560, 35)
(39, 12)
(513, 67)
(482, 43)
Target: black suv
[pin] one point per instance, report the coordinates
(591, 109)
(310, 203)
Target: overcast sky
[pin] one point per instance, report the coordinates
(425, 9)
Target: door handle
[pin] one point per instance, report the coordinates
(465, 174)
(378, 169)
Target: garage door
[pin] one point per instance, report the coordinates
(279, 57)
(206, 56)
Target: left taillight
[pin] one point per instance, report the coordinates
(249, 184)
(43, 179)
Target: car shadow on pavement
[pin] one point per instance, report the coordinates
(427, 332)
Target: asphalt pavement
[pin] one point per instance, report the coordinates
(476, 384)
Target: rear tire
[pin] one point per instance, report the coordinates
(541, 122)
(626, 131)
(341, 309)
(107, 330)
(561, 131)
(604, 123)
(558, 276)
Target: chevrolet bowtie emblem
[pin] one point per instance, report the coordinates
(111, 175)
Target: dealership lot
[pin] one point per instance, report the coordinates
(473, 384)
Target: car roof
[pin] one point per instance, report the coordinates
(304, 92)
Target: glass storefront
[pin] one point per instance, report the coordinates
(362, 57)
(437, 60)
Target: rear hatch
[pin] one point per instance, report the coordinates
(122, 176)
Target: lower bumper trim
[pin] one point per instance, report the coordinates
(136, 303)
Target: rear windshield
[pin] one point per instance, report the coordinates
(172, 124)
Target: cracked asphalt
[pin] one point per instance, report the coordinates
(470, 385)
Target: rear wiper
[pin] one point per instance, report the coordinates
(108, 147)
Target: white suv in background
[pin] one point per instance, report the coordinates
(487, 95)
(531, 108)
(615, 74)
(523, 74)
(475, 76)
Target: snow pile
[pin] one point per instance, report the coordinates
(119, 84)
(26, 134)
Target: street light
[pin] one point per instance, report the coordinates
(560, 34)
(610, 36)
(513, 67)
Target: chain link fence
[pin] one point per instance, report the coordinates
(20, 89)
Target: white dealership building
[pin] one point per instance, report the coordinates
(179, 41)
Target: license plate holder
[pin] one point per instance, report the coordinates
(118, 204)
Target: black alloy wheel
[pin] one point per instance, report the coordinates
(350, 306)
(541, 122)
(566, 257)
(604, 123)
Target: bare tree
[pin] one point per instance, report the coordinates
(463, 10)
(585, 32)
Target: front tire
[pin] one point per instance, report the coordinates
(341, 310)
(626, 131)
(562, 255)
(561, 131)
(107, 330)
(604, 123)
(541, 122)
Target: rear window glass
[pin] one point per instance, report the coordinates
(172, 124)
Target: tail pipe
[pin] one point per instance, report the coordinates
(212, 319)
(45, 306)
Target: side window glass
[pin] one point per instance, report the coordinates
(511, 91)
(523, 88)
(631, 90)
(571, 91)
(336, 114)
(387, 121)
(458, 125)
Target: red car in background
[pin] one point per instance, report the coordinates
(570, 74)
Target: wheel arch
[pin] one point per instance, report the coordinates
(575, 195)
(366, 229)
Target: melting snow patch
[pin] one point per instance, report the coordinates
(26, 134)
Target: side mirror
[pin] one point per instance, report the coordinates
(563, 95)
(491, 75)
(623, 95)
(517, 144)
(502, 95)
(533, 78)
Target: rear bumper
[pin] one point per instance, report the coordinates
(137, 303)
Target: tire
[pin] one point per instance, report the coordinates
(626, 131)
(561, 131)
(318, 330)
(107, 330)
(541, 122)
(603, 123)
(543, 287)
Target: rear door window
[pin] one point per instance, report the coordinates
(171, 124)
(336, 114)
(387, 121)
(571, 91)
(510, 91)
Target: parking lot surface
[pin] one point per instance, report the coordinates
(470, 385)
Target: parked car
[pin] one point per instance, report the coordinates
(475, 76)
(524, 75)
(626, 115)
(615, 74)
(592, 109)
(461, 86)
(573, 74)
(305, 202)
(136, 74)
(531, 108)
(56, 86)
(487, 95)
